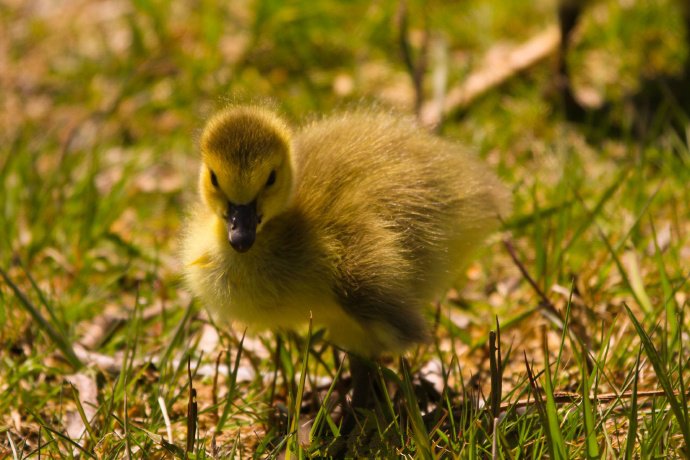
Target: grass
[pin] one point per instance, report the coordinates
(101, 346)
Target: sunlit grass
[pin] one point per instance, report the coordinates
(101, 107)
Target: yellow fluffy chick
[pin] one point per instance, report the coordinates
(359, 220)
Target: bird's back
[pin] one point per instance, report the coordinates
(397, 210)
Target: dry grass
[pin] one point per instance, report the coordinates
(101, 105)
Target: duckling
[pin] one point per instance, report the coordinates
(358, 221)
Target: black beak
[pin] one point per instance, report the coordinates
(242, 222)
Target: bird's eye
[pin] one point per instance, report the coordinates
(214, 179)
(271, 178)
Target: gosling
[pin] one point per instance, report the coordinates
(357, 221)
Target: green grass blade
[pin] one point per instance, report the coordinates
(669, 298)
(624, 275)
(419, 432)
(177, 337)
(59, 340)
(232, 385)
(517, 222)
(588, 412)
(173, 449)
(324, 409)
(295, 445)
(51, 431)
(662, 376)
(80, 409)
(682, 366)
(553, 426)
(539, 403)
(632, 416)
(540, 250)
(598, 208)
(41, 296)
(385, 374)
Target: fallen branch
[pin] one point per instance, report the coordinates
(492, 74)
(564, 397)
(549, 310)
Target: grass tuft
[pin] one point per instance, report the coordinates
(101, 108)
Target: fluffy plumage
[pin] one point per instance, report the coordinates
(361, 219)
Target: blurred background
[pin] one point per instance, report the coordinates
(101, 104)
(103, 100)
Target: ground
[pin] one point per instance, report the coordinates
(102, 103)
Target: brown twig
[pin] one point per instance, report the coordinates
(191, 411)
(549, 309)
(493, 74)
(496, 371)
(214, 392)
(545, 301)
(564, 397)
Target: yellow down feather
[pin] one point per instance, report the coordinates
(362, 220)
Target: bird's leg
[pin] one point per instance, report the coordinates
(363, 374)
(276, 360)
(363, 377)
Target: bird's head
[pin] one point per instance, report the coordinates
(246, 172)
